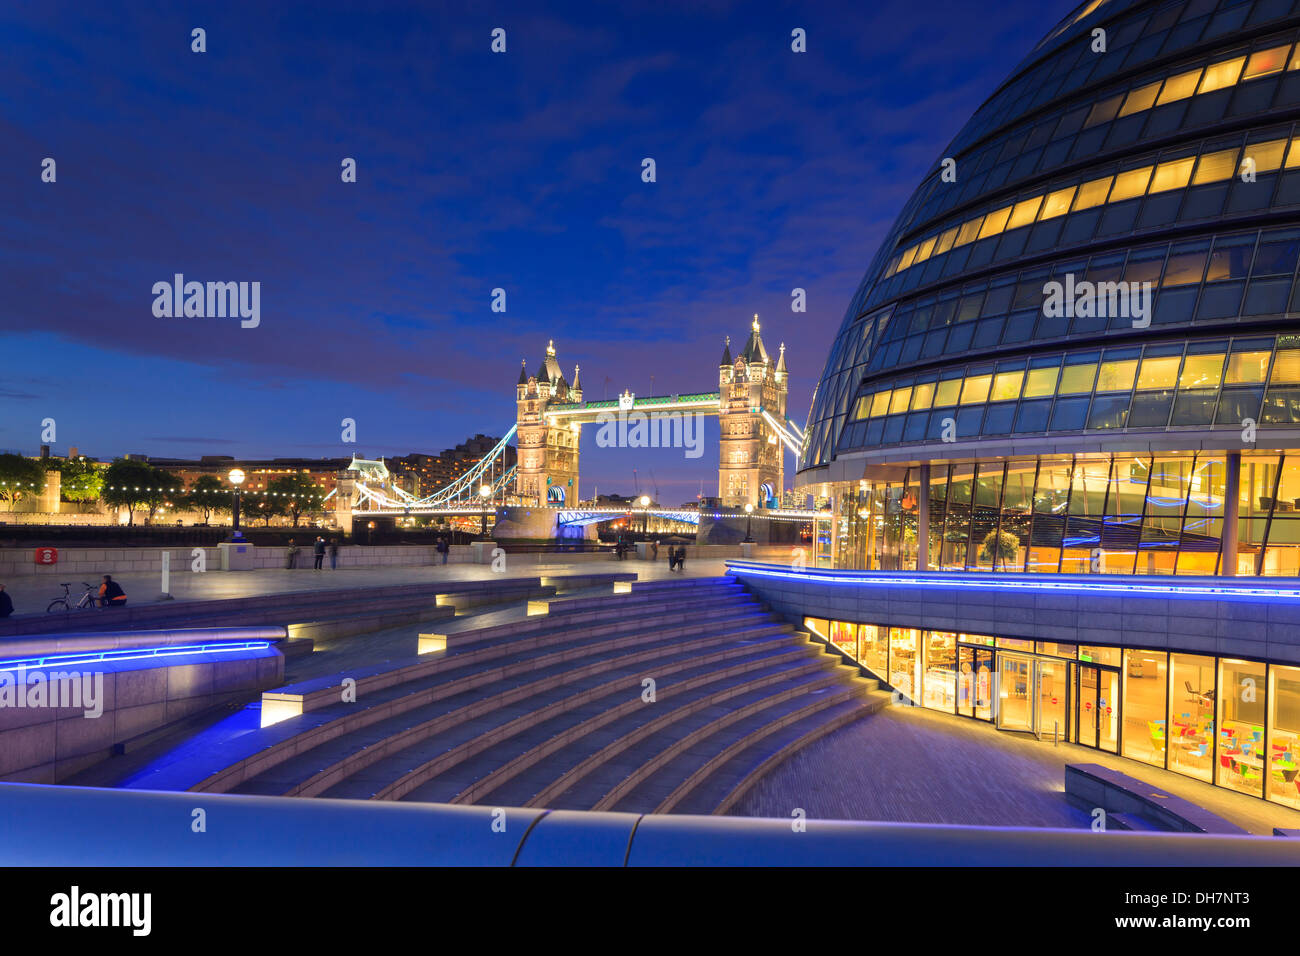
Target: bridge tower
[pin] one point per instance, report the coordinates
(547, 468)
(750, 455)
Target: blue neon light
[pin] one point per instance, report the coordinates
(1001, 582)
(132, 654)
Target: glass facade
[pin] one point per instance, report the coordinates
(1162, 175)
(1227, 721)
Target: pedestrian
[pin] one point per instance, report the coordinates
(318, 550)
(6, 603)
(654, 550)
(443, 548)
(291, 556)
(681, 558)
(672, 558)
(334, 555)
(111, 593)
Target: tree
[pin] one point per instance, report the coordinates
(81, 482)
(208, 494)
(1007, 547)
(20, 477)
(133, 484)
(261, 505)
(297, 494)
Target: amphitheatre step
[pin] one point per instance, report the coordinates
(583, 771)
(434, 738)
(589, 728)
(724, 786)
(413, 704)
(710, 751)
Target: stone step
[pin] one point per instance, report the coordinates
(408, 709)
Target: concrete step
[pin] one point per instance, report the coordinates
(633, 751)
(408, 712)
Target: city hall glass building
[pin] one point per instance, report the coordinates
(965, 422)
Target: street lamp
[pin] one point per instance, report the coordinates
(485, 492)
(236, 477)
(749, 517)
(644, 502)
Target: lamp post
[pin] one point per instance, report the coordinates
(644, 502)
(484, 492)
(749, 517)
(236, 477)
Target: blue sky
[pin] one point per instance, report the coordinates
(476, 171)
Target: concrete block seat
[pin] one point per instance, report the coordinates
(385, 691)
(1138, 804)
(684, 683)
(497, 701)
(578, 773)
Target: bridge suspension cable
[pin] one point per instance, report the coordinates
(489, 472)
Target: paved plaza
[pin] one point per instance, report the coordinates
(912, 765)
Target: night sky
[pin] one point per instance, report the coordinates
(475, 171)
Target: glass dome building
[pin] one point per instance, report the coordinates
(1078, 348)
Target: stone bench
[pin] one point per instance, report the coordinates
(1089, 786)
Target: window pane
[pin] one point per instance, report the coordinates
(1216, 167)
(1116, 376)
(1006, 386)
(1130, 184)
(1201, 371)
(1265, 62)
(994, 222)
(1042, 381)
(1220, 75)
(1247, 367)
(1185, 269)
(1286, 368)
(1093, 193)
(1267, 156)
(863, 407)
(1241, 726)
(923, 396)
(923, 251)
(1179, 87)
(1077, 378)
(969, 230)
(945, 241)
(880, 403)
(1284, 733)
(1103, 112)
(900, 400)
(1143, 98)
(1191, 715)
(947, 392)
(976, 389)
(1171, 175)
(1057, 203)
(1023, 213)
(1159, 372)
(1145, 677)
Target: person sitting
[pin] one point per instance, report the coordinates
(111, 593)
(6, 603)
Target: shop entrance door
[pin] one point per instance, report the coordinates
(1096, 710)
(1015, 692)
(975, 682)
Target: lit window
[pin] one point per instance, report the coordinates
(1293, 154)
(908, 256)
(1040, 382)
(995, 222)
(1006, 386)
(893, 266)
(969, 230)
(924, 252)
(1103, 112)
(1179, 87)
(976, 389)
(1092, 193)
(900, 400)
(1141, 99)
(1247, 368)
(945, 241)
(1057, 203)
(1267, 156)
(1077, 378)
(1221, 75)
(1130, 184)
(947, 392)
(1266, 62)
(1172, 175)
(879, 403)
(922, 396)
(1023, 213)
(1159, 372)
(1116, 376)
(1286, 368)
(1216, 167)
(1201, 371)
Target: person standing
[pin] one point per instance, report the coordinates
(443, 548)
(654, 550)
(291, 556)
(318, 551)
(6, 603)
(334, 555)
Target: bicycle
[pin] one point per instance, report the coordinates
(88, 600)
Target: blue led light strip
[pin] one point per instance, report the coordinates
(998, 581)
(132, 654)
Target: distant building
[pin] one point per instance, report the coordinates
(427, 473)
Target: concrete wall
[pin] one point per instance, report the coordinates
(1200, 615)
